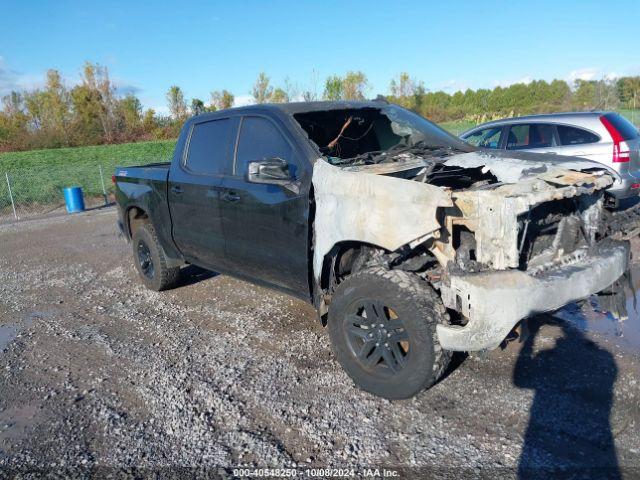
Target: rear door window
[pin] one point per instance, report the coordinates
(208, 148)
(486, 138)
(530, 135)
(575, 136)
(259, 140)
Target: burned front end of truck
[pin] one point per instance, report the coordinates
(533, 245)
(500, 236)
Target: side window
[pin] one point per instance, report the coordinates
(532, 135)
(208, 147)
(259, 140)
(487, 137)
(575, 136)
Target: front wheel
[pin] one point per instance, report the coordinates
(151, 261)
(382, 325)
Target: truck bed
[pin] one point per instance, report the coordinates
(151, 172)
(146, 184)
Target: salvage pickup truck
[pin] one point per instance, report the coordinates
(410, 243)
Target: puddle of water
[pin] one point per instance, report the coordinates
(7, 334)
(614, 314)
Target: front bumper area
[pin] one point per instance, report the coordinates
(494, 302)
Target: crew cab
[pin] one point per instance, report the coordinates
(410, 242)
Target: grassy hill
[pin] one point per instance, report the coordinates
(38, 176)
(109, 156)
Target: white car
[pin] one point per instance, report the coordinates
(604, 137)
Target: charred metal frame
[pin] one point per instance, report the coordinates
(482, 275)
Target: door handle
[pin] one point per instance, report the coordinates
(230, 197)
(177, 189)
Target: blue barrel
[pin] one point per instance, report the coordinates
(73, 199)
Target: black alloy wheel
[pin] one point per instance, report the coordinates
(377, 337)
(150, 260)
(145, 259)
(382, 325)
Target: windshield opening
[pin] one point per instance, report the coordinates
(353, 132)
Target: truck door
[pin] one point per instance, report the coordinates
(194, 189)
(266, 226)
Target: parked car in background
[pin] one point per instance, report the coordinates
(604, 137)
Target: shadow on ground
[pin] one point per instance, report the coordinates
(569, 433)
(191, 275)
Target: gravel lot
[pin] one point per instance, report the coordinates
(217, 374)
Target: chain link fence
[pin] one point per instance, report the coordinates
(32, 183)
(28, 193)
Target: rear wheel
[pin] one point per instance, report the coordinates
(382, 325)
(151, 261)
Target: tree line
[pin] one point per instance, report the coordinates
(538, 96)
(93, 112)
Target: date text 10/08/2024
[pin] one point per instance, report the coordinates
(315, 473)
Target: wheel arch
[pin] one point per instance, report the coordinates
(348, 257)
(337, 263)
(134, 216)
(341, 258)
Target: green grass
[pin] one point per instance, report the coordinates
(456, 127)
(632, 115)
(38, 176)
(109, 156)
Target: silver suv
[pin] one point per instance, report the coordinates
(604, 137)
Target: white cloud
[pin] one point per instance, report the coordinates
(160, 109)
(452, 86)
(13, 80)
(527, 79)
(587, 73)
(242, 100)
(594, 74)
(583, 74)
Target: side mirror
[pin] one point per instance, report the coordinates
(273, 171)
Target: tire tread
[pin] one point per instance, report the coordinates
(166, 277)
(414, 290)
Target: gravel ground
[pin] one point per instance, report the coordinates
(99, 373)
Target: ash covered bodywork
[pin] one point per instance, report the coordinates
(508, 234)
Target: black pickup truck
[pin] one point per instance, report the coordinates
(410, 243)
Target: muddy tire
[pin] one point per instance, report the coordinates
(151, 261)
(382, 325)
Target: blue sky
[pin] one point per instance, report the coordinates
(204, 46)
